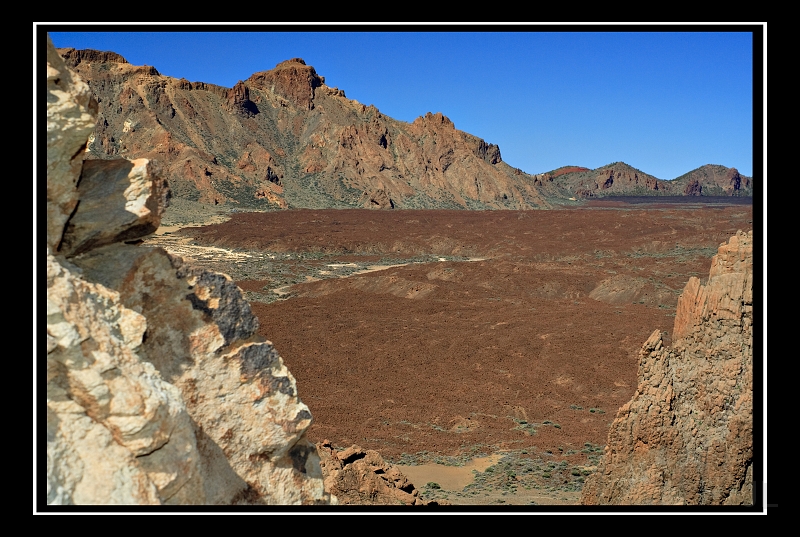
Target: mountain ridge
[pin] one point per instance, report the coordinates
(282, 139)
(622, 179)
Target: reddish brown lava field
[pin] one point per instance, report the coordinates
(461, 357)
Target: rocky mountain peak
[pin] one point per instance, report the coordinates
(437, 119)
(715, 180)
(284, 63)
(291, 79)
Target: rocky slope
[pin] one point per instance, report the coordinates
(686, 436)
(159, 391)
(620, 179)
(714, 180)
(282, 138)
(614, 179)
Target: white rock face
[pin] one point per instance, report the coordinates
(110, 414)
(71, 113)
(158, 389)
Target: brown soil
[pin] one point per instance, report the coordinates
(530, 350)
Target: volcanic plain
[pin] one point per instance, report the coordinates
(438, 336)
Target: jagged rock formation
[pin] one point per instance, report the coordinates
(686, 436)
(361, 477)
(620, 179)
(282, 138)
(159, 391)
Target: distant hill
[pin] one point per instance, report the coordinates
(714, 180)
(620, 179)
(617, 178)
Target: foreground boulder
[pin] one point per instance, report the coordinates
(686, 436)
(159, 391)
(359, 476)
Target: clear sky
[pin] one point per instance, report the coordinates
(665, 102)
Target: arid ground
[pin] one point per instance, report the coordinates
(506, 333)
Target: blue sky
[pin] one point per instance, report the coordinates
(663, 102)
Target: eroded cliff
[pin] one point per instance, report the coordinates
(686, 436)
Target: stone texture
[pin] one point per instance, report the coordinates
(117, 432)
(243, 401)
(73, 57)
(119, 200)
(239, 100)
(693, 188)
(159, 391)
(361, 477)
(686, 436)
(71, 112)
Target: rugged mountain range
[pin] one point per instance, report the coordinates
(283, 138)
(620, 179)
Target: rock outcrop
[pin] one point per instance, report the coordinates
(361, 477)
(159, 391)
(292, 80)
(686, 436)
(376, 199)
